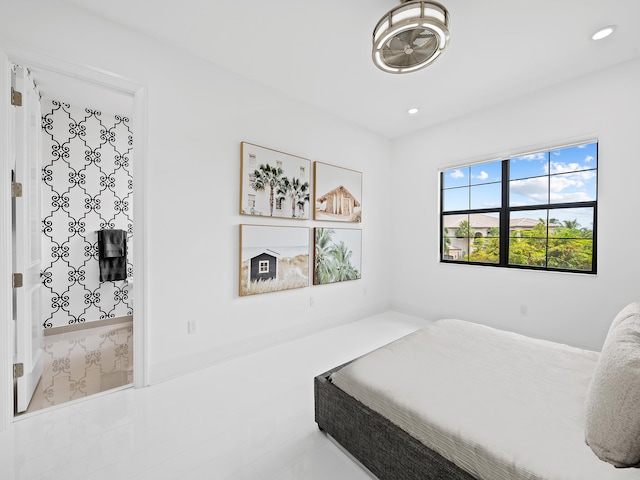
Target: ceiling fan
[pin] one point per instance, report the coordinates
(410, 36)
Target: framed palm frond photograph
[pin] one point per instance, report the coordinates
(274, 183)
(337, 255)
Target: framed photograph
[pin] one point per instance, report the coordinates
(338, 193)
(337, 255)
(273, 258)
(273, 183)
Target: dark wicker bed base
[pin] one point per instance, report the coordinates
(384, 448)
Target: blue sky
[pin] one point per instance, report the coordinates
(556, 176)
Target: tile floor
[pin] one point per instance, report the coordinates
(250, 418)
(84, 362)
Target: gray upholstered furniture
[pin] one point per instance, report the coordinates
(382, 447)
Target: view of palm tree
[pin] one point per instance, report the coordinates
(270, 177)
(333, 261)
(295, 191)
(565, 246)
(281, 188)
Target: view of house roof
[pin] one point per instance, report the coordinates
(340, 190)
(478, 221)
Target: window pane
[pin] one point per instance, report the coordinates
(455, 243)
(486, 196)
(573, 159)
(486, 173)
(457, 177)
(580, 219)
(528, 223)
(483, 223)
(572, 254)
(528, 238)
(531, 191)
(455, 199)
(571, 238)
(573, 187)
(485, 241)
(528, 251)
(528, 166)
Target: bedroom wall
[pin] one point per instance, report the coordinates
(572, 308)
(197, 116)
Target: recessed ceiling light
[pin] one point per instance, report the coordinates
(603, 32)
(412, 111)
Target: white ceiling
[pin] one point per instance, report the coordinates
(320, 51)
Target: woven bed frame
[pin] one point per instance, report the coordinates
(385, 449)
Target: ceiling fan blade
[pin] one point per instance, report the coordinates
(395, 59)
(419, 56)
(396, 44)
(425, 40)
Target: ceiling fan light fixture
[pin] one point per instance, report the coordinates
(410, 36)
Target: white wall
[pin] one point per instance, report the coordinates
(571, 308)
(198, 115)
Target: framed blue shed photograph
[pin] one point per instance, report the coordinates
(273, 258)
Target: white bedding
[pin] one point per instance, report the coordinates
(500, 405)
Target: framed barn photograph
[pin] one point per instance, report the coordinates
(337, 255)
(273, 258)
(338, 193)
(273, 183)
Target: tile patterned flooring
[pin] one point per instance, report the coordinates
(84, 362)
(250, 418)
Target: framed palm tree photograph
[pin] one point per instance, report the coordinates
(273, 258)
(338, 193)
(337, 255)
(273, 183)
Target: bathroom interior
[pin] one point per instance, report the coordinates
(86, 145)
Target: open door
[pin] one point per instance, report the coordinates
(28, 237)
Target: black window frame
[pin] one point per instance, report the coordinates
(505, 211)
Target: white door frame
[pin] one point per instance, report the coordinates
(139, 95)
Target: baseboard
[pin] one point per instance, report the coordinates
(168, 370)
(85, 325)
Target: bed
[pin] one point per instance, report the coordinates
(457, 400)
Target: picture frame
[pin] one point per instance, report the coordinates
(273, 258)
(337, 255)
(338, 193)
(273, 183)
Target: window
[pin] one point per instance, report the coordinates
(530, 211)
(263, 266)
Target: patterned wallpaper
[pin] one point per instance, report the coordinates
(87, 186)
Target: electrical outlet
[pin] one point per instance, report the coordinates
(312, 301)
(192, 326)
(524, 310)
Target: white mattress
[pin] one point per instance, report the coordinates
(500, 405)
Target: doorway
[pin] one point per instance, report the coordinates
(90, 91)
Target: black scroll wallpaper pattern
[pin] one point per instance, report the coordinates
(87, 186)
